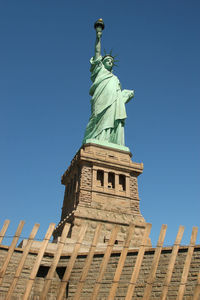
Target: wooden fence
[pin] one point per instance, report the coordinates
(7, 291)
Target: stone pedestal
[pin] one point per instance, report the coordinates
(101, 186)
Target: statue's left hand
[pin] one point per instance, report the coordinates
(131, 94)
(127, 95)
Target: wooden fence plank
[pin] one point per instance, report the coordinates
(196, 295)
(11, 250)
(54, 264)
(138, 263)
(152, 273)
(3, 230)
(105, 261)
(38, 261)
(88, 262)
(71, 262)
(187, 264)
(121, 262)
(172, 263)
(22, 261)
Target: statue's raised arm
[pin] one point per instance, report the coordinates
(99, 27)
(108, 112)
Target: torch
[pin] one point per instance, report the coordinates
(99, 26)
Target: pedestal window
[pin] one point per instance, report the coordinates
(111, 180)
(100, 178)
(122, 182)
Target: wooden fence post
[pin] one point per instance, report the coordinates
(138, 263)
(22, 261)
(152, 273)
(11, 250)
(121, 262)
(38, 261)
(88, 262)
(187, 264)
(71, 262)
(105, 261)
(54, 264)
(172, 263)
(4, 229)
(197, 289)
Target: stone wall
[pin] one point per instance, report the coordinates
(143, 275)
(101, 186)
(108, 276)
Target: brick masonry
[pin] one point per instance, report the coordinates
(101, 186)
(108, 276)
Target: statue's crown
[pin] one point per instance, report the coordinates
(110, 55)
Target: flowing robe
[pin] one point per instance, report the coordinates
(108, 111)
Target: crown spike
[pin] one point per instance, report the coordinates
(110, 54)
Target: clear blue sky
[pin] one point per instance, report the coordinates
(44, 103)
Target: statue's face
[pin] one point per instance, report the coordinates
(108, 63)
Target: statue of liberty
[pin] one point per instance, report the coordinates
(108, 100)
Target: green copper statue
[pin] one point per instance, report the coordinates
(108, 113)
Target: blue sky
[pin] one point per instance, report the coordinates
(45, 105)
